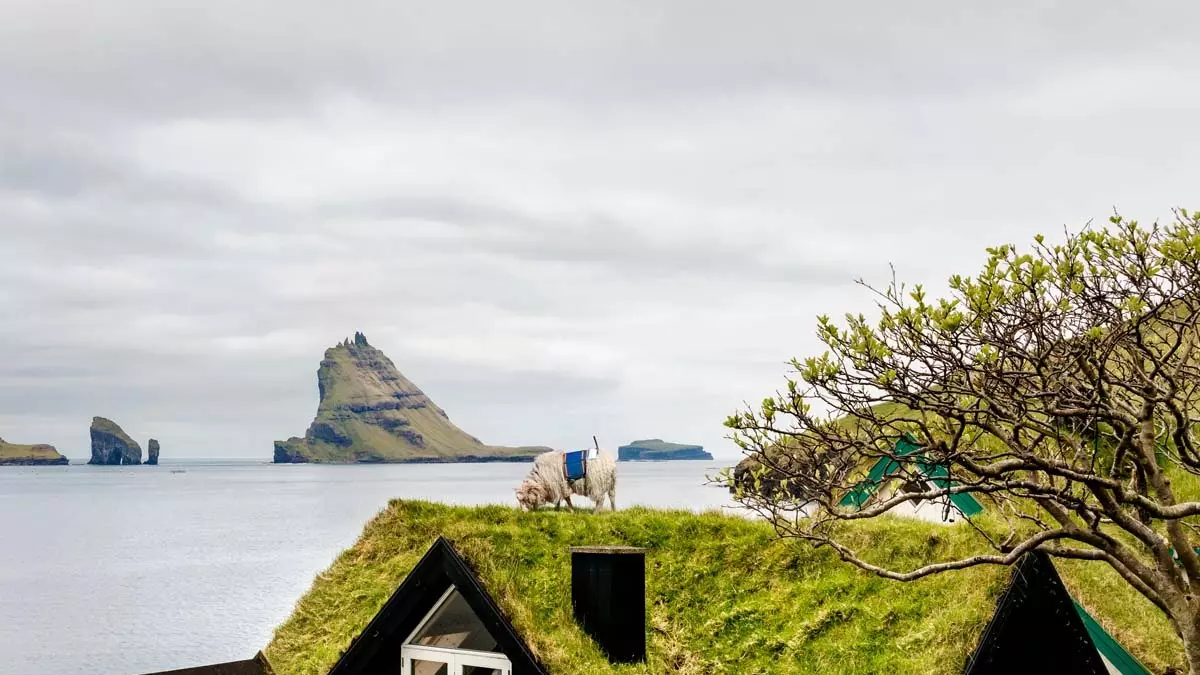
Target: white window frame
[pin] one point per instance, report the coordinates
(934, 510)
(455, 659)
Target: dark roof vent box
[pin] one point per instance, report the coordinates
(608, 596)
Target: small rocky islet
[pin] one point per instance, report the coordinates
(111, 445)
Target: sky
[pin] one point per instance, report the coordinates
(558, 218)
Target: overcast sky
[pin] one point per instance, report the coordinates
(558, 218)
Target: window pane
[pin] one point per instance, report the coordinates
(480, 670)
(916, 486)
(429, 668)
(455, 626)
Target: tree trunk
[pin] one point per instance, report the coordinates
(1190, 634)
(1193, 656)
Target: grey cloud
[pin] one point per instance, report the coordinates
(667, 193)
(456, 387)
(453, 210)
(73, 199)
(61, 169)
(42, 372)
(70, 165)
(595, 239)
(262, 58)
(623, 247)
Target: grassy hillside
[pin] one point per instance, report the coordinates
(11, 453)
(369, 412)
(724, 595)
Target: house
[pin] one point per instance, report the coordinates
(909, 472)
(439, 590)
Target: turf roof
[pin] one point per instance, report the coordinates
(723, 593)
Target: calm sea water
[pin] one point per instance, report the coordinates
(129, 570)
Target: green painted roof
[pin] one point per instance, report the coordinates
(1110, 648)
(887, 466)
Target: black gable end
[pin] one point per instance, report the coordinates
(376, 651)
(379, 641)
(1035, 628)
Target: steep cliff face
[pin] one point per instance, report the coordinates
(12, 454)
(369, 412)
(656, 449)
(111, 445)
(152, 451)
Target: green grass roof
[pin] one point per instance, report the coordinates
(724, 595)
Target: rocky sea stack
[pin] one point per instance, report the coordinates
(111, 445)
(369, 412)
(152, 452)
(12, 454)
(656, 449)
(748, 474)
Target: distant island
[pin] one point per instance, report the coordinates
(656, 449)
(370, 413)
(40, 454)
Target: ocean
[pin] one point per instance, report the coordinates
(131, 570)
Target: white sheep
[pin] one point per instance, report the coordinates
(546, 482)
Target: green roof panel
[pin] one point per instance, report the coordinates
(886, 466)
(1109, 648)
